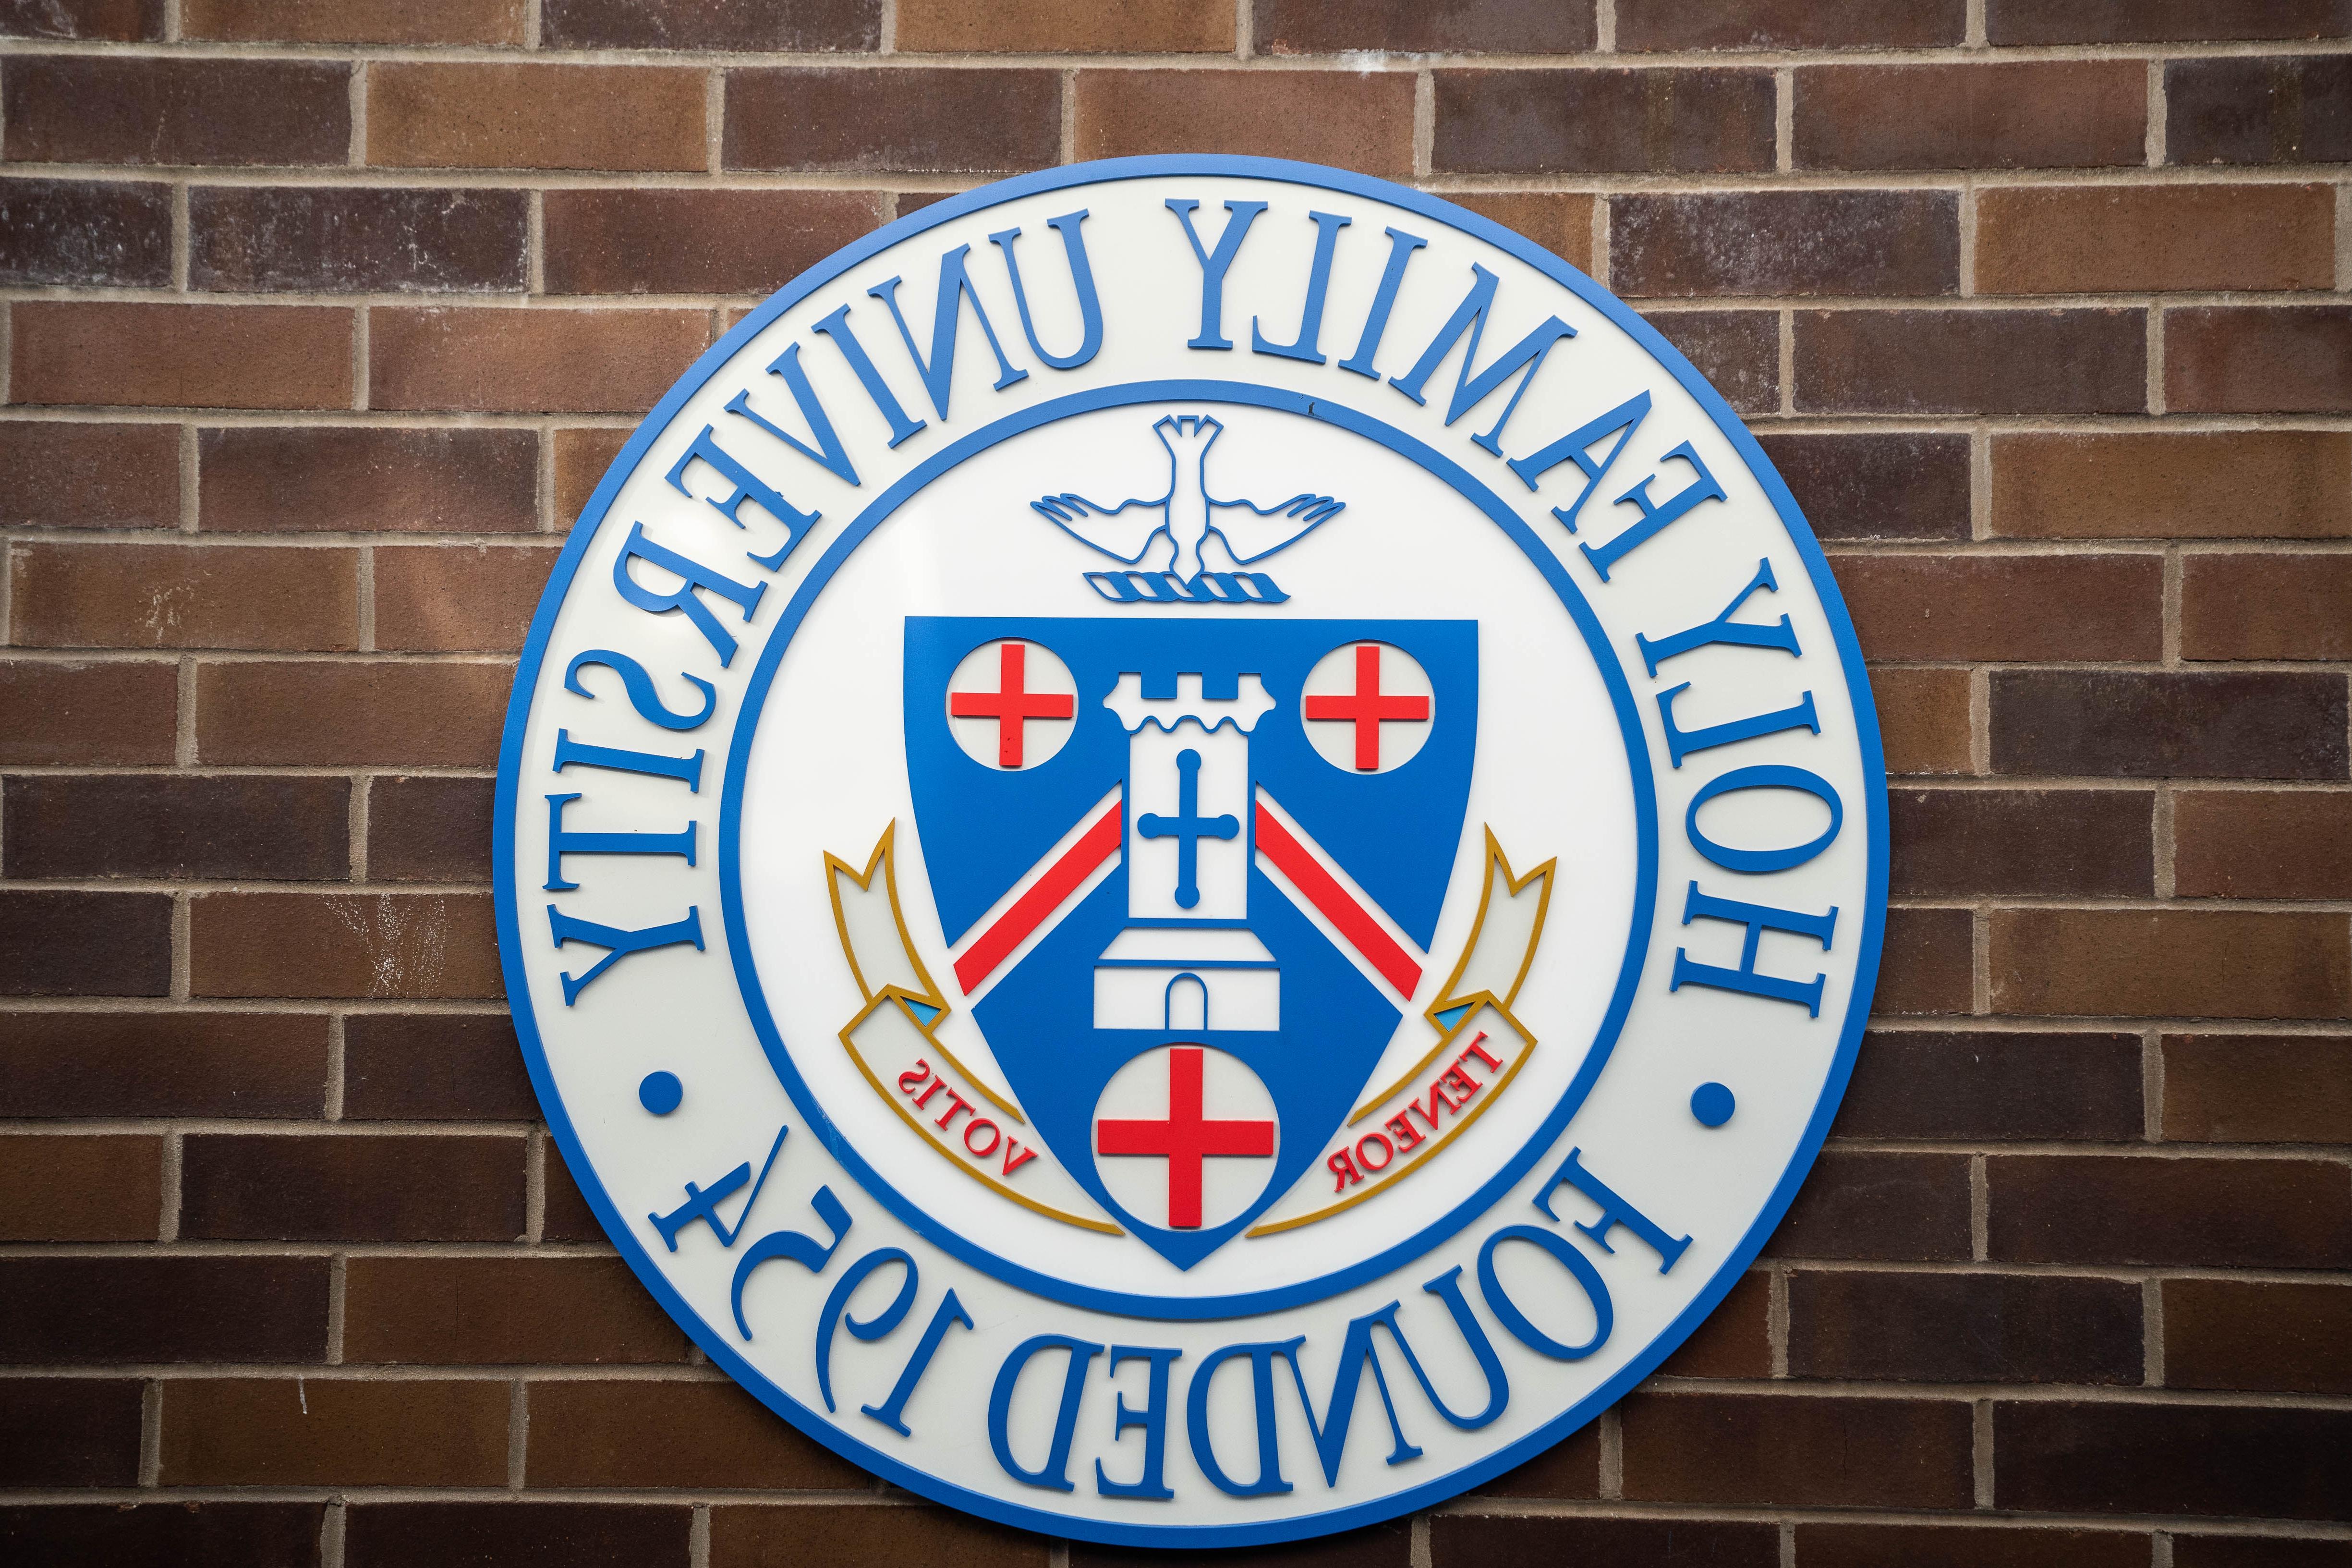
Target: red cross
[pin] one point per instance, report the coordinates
(1184, 1139)
(1368, 707)
(1011, 705)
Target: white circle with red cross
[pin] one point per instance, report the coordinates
(1012, 704)
(1368, 707)
(1185, 1136)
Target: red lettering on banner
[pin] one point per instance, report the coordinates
(1407, 1135)
(912, 1079)
(1015, 1156)
(1472, 1050)
(1462, 1083)
(950, 1114)
(1343, 1166)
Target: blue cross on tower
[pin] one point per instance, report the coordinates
(1188, 828)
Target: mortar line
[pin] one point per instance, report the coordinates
(1424, 123)
(1967, 239)
(886, 33)
(1245, 29)
(534, 23)
(1787, 1539)
(1979, 1211)
(2155, 399)
(355, 156)
(169, 1187)
(2157, 111)
(2151, 1315)
(2151, 1085)
(517, 1432)
(151, 1431)
(1973, 35)
(1420, 1552)
(183, 939)
(1612, 1453)
(183, 239)
(1776, 1317)
(1604, 28)
(1066, 148)
(1603, 237)
(359, 359)
(2159, 1549)
(331, 1534)
(338, 1300)
(534, 1181)
(1786, 360)
(2343, 237)
(534, 249)
(1980, 1453)
(714, 121)
(1784, 120)
(331, 1104)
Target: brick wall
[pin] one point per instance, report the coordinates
(322, 317)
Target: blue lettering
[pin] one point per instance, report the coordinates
(566, 928)
(1614, 1211)
(1153, 1418)
(804, 1250)
(1681, 743)
(748, 486)
(1759, 918)
(1723, 629)
(1054, 1474)
(836, 327)
(1269, 1480)
(1499, 1302)
(869, 1329)
(1308, 345)
(1376, 321)
(1447, 1288)
(640, 688)
(1331, 1432)
(1655, 516)
(695, 575)
(686, 770)
(828, 452)
(939, 370)
(1757, 862)
(703, 1206)
(1573, 447)
(1469, 391)
(1239, 216)
(892, 1412)
(1082, 278)
(563, 841)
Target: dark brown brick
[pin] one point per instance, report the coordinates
(2043, 114)
(85, 944)
(437, 1187)
(163, 1064)
(1757, 1449)
(1963, 1327)
(858, 1537)
(1738, 353)
(91, 108)
(429, 829)
(177, 595)
(421, 945)
(2161, 21)
(1386, 1545)
(1872, 1206)
(579, 1535)
(86, 1309)
(537, 116)
(107, 232)
(1355, 120)
(1971, 362)
(1789, 25)
(1510, 28)
(1603, 121)
(2259, 360)
(2090, 240)
(1980, 1085)
(395, 714)
(1786, 242)
(87, 714)
(1462, 1541)
(2182, 963)
(2263, 844)
(1560, 221)
(2230, 1334)
(434, 1067)
(355, 240)
(2258, 1088)
(181, 356)
(68, 1432)
(451, 599)
(1900, 485)
(798, 26)
(1927, 964)
(69, 1188)
(1734, 1341)
(147, 825)
(262, 480)
(2236, 484)
(492, 361)
(355, 21)
(333, 1431)
(2267, 108)
(566, 1216)
(2173, 1460)
(56, 475)
(1984, 608)
(1076, 26)
(2124, 724)
(1922, 719)
(165, 1535)
(495, 1312)
(691, 1434)
(913, 120)
(1966, 1546)
(581, 457)
(2256, 1552)
(2132, 1208)
(743, 242)
(2266, 607)
(1569, 1469)
(2084, 842)
(118, 21)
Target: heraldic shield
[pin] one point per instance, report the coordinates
(1197, 881)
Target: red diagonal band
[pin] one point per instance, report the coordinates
(1306, 874)
(1029, 911)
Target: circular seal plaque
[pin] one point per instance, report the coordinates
(1191, 850)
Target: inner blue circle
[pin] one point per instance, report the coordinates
(1713, 1104)
(661, 1092)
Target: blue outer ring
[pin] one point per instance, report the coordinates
(1438, 1489)
(1629, 973)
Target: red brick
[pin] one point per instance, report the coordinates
(85, 944)
(2267, 108)
(1967, 1546)
(119, 21)
(2092, 240)
(581, 457)
(181, 356)
(2266, 607)
(176, 595)
(2057, 841)
(2140, 1208)
(2258, 1088)
(448, 598)
(90, 109)
(1899, 485)
(165, 1535)
(113, 233)
(434, 1067)
(1964, 1328)
(429, 829)
(1561, 222)
(55, 475)
(2045, 114)
(866, 1537)
(1922, 719)
(1361, 121)
(398, 714)
(356, 1187)
(355, 21)
(2161, 21)
(68, 1432)
(2157, 724)
(1734, 1341)
(1872, 1205)
(1752, 1449)
(1569, 1469)
(1786, 242)
(693, 1435)
(1602, 121)
(743, 242)
(1462, 1541)
(355, 944)
(572, 361)
(163, 826)
(807, 26)
(355, 240)
(578, 1535)
(2144, 1459)
(2005, 606)
(2256, 359)
(1981, 1084)
(494, 1311)
(179, 1063)
(65, 1187)
(1971, 362)
(2263, 844)
(1789, 25)
(536, 116)
(163, 1309)
(1076, 26)
(334, 1432)
(259, 479)
(1384, 1545)
(2230, 1334)
(1399, 27)
(841, 119)
(2236, 484)
(2187, 964)
(1928, 963)
(1737, 351)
